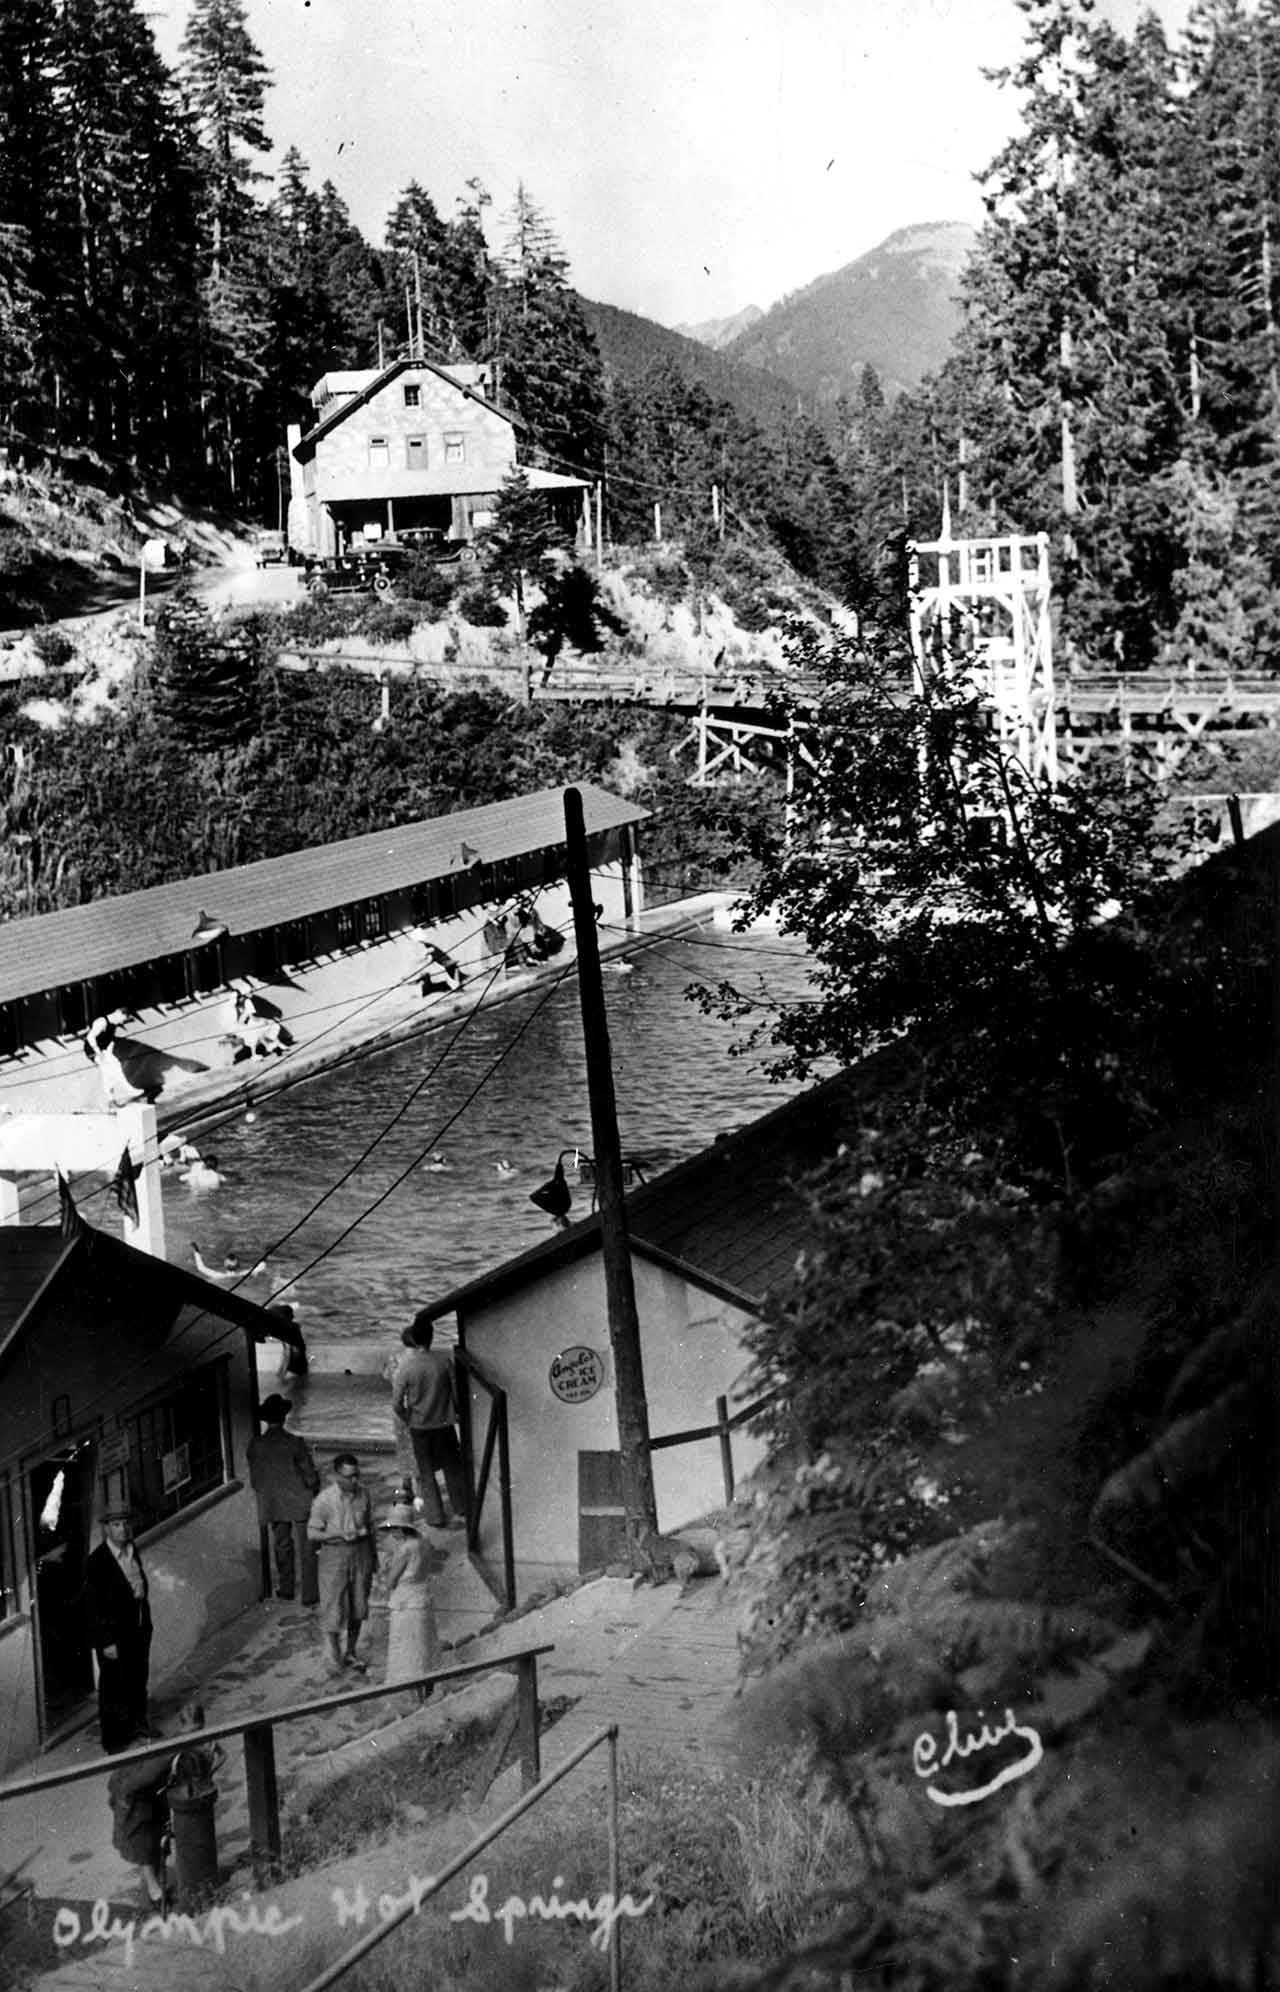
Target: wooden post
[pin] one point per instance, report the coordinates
(657, 520)
(264, 1801)
(462, 1393)
(615, 1245)
(615, 1864)
(1237, 820)
(504, 1494)
(726, 1446)
(599, 522)
(527, 1718)
(142, 592)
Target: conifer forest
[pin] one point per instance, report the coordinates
(167, 303)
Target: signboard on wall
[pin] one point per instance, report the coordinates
(577, 1374)
(175, 1468)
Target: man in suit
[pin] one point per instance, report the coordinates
(120, 1630)
(284, 1477)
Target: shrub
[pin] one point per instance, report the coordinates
(389, 622)
(480, 606)
(426, 581)
(53, 647)
(319, 618)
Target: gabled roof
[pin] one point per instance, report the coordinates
(53, 949)
(729, 1220)
(36, 1261)
(305, 447)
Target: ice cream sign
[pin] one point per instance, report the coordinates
(576, 1374)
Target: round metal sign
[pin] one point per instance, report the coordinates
(577, 1374)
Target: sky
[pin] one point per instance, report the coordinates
(693, 156)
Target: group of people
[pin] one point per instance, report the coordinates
(328, 1534)
(322, 1542)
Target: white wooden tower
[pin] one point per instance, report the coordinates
(982, 606)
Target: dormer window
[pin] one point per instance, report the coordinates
(412, 394)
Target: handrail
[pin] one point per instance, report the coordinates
(215, 1731)
(497, 1435)
(258, 1734)
(723, 1429)
(730, 1422)
(418, 1895)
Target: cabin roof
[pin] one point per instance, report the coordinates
(729, 1220)
(358, 397)
(54, 949)
(35, 1260)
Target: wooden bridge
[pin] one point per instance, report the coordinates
(1151, 720)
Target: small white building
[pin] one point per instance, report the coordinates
(709, 1240)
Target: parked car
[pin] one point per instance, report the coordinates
(356, 573)
(270, 549)
(431, 543)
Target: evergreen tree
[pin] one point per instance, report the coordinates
(516, 547)
(225, 81)
(119, 221)
(28, 151)
(205, 683)
(549, 367)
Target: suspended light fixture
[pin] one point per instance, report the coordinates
(208, 930)
(554, 1196)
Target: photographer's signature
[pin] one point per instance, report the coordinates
(924, 1757)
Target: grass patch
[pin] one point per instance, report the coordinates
(736, 1872)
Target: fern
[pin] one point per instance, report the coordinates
(1196, 1909)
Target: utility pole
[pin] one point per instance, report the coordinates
(619, 1283)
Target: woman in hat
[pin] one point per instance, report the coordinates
(413, 1644)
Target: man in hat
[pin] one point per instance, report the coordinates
(115, 1588)
(284, 1477)
(341, 1527)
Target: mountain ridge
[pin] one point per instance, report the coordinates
(718, 332)
(895, 308)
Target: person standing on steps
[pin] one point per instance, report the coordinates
(423, 1399)
(413, 1643)
(284, 1477)
(341, 1527)
(119, 1613)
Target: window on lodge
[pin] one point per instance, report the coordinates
(415, 452)
(179, 1446)
(412, 394)
(455, 446)
(379, 453)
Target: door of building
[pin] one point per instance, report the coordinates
(60, 1490)
(602, 1512)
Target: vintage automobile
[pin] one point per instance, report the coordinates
(378, 566)
(270, 549)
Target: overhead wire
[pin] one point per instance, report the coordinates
(201, 1114)
(235, 1329)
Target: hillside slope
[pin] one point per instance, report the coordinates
(629, 343)
(894, 309)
